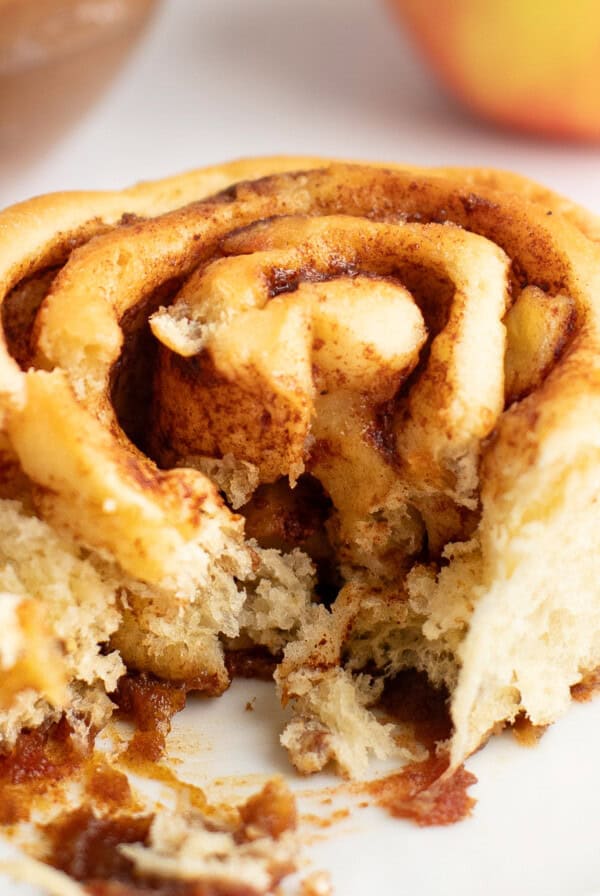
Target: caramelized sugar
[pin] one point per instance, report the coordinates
(420, 792)
(587, 688)
(40, 759)
(269, 813)
(525, 732)
(411, 699)
(160, 888)
(105, 784)
(84, 845)
(151, 704)
(192, 795)
(157, 887)
(327, 821)
(251, 662)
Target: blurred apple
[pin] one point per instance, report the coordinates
(528, 64)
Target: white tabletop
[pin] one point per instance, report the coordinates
(218, 79)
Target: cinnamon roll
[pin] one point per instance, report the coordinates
(344, 412)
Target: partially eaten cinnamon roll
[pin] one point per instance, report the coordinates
(347, 413)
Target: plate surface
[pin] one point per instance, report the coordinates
(534, 830)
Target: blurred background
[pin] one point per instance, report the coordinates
(103, 93)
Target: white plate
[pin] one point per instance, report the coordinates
(534, 830)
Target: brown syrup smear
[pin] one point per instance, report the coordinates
(158, 887)
(269, 813)
(321, 821)
(412, 700)
(40, 759)
(193, 795)
(525, 732)
(151, 704)
(85, 846)
(588, 687)
(106, 785)
(419, 792)
(251, 662)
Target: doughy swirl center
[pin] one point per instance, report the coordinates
(292, 352)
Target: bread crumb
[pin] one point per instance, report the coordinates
(317, 884)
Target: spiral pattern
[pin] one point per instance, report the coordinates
(417, 349)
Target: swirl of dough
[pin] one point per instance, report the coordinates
(297, 351)
(392, 374)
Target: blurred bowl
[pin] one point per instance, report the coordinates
(56, 58)
(531, 65)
